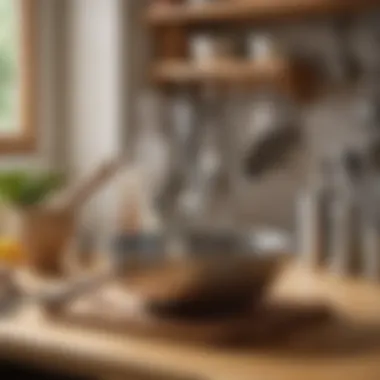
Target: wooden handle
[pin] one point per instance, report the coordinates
(92, 184)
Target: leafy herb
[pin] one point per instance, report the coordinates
(26, 189)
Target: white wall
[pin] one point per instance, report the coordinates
(95, 94)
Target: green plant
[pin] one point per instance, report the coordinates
(23, 188)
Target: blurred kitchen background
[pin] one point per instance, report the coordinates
(102, 91)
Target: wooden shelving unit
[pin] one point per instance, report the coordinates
(255, 10)
(284, 75)
(170, 23)
(182, 72)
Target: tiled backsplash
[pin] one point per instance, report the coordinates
(346, 55)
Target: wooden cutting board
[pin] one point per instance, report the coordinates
(112, 309)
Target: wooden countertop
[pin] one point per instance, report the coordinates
(343, 352)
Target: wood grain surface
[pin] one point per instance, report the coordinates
(349, 350)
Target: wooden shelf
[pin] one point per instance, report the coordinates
(179, 72)
(255, 10)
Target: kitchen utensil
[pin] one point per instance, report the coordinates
(76, 196)
(184, 144)
(314, 220)
(359, 175)
(312, 229)
(347, 210)
(152, 151)
(370, 261)
(271, 137)
(271, 150)
(191, 200)
(345, 244)
(209, 156)
(358, 178)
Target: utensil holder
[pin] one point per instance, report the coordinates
(45, 234)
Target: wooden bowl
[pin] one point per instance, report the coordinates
(203, 287)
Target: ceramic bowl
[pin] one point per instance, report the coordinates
(213, 278)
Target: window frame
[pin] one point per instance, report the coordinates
(25, 141)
